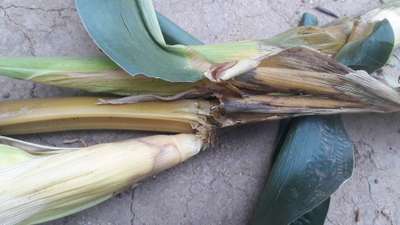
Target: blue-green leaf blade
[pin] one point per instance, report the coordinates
(316, 217)
(372, 52)
(128, 32)
(309, 168)
(174, 34)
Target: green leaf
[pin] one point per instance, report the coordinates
(309, 168)
(173, 34)
(371, 53)
(315, 217)
(318, 213)
(129, 33)
(390, 10)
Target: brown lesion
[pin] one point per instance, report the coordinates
(286, 104)
(218, 69)
(160, 149)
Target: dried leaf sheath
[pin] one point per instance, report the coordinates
(39, 188)
(300, 71)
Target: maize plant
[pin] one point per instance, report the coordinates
(169, 82)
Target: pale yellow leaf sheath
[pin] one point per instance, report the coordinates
(80, 113)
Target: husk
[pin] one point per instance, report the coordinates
(40, 188)
(10, 156)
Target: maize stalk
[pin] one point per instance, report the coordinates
(39, 186)
(184, 116)
(285, 65)
(59, 114)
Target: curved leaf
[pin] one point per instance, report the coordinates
(309, 168)
(371, 53)
(390, 10)
(129, 33)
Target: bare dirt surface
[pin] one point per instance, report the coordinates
(221, 185)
